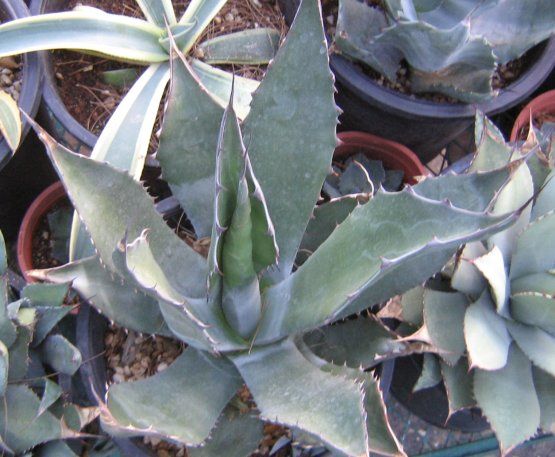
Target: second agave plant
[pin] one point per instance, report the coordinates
(247, 315)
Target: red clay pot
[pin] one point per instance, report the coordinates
(46, 200)
(394, 156)
(544, 103)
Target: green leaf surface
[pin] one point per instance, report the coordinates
(52, 392)
(219, 82)
(188, 143)
(325, 218)
(518, 191)
(486, 335)
(59, 449)
(530, 254)
(545, 389)
(10, 120)
(185, 400)
(114, 297)
(19, 354)
(355, 343)
(472, 191)
(289, 390)
(387, 246)
(296, 96)
(237, 434)
(121, 78)
(538, 345)
(51, 295)
(443, 318)
(110, 35)
(534, 308)
(158, 11)
(458, 385)
(543, 283)
(492, 152)
(545, 201)
(20, 428)
(97, 188)
(508, 399)
(199, 13)
(430, 375)
(247, 47)
(124, 141)
(492, 266)
(47, 318)
(412, 303)
(466, 277)
(61, 355)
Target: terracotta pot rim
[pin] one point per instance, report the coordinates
(38, 209)
(541, 104)
(393, 154)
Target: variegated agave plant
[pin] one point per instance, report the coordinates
(452, 47)
(493, 330)
(27, 345)
(247, 316)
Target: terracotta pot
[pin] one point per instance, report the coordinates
(394, 156)
(544, 103)
(46, 200)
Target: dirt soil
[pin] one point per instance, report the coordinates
(79, 76)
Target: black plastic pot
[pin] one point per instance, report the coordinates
(29, 97)
(54, 117)
(423, 126)
(91, 327)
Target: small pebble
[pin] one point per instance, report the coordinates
(229, 17)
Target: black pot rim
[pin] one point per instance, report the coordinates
(352, 77)
(32, 79)
(51, 96)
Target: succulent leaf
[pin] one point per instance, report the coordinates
(458, 385)
(292, 168)
(327, 283)
(20, 427)
(508, 399)
(124, 140)
(538, 345)
(491, 150)
(443, 318)
(187, 151)
(355, 343)
(327, 406)
(4, 367)
(49, 295)
(534, 308)
(492, 266)
(185, 400)
(237, 434)
(253, 47)
(545, 201)
(19, 354)
(545, 389)
(10, 121)
(325, 218)
(114, 297)
(47, 318)
(466, 277)
(486, 335)
(127, 210)
(61, 355)
(412, 303)
(536, 235)
(431, 373)
(52, 392)
(94, 31)
(158, 11)
(199, 13)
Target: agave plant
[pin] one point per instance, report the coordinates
(493, 329)
(452, 47)
(246, 314)
(10, 121)
(30, 351)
